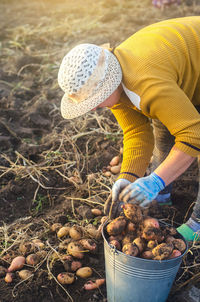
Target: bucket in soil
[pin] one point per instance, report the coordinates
(134, 279)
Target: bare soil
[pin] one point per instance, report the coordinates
(49, 167)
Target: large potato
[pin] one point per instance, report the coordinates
(133, 212)
(75, 249)
(162, 251)
(116, 226)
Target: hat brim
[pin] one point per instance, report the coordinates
(113, 78)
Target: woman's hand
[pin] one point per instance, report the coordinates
(143, 190)
(113, 205)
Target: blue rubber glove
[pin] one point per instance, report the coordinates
(112, 206)
(143, 190)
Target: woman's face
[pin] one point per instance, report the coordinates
(112, 99)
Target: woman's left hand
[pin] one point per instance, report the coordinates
(143, 190)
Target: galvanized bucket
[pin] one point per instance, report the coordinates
(133, 279)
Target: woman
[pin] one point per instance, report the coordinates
(153, 75)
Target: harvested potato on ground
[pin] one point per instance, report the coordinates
(17, 263)
(151, 233)
(8, 278)
(66, 278)
(179, 244)
(133, 212)
(92, 231)
(26, 247)
(151, 222)
(64, 244)
(32, 259)
(140, 243)
(114, 161)
(55, 227)
(84, 272)
(25, 274)
(75, 232)
(116, 226)
(115, 169)
(89, 244)
(130, 249)
(75, 265)
(64, 231)
(90, 285)
(38, 244)
(75, 249)
(96, 212)
(162, 251)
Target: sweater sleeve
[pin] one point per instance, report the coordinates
(138, 140)
(167, 102)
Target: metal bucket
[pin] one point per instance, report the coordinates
(133, 279)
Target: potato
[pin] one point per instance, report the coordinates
(90, 285)
(75, 249)
(133, 212)
(151, 244)
(115, 169)
(96, 212)
(130, 249)
(32, 259)
(128, 239)
(118, 238)
(25, 274)
(114, 161)
(38, 243)
(151, 222)
(75, 265)
(55, 227)
(116, 244)
(64, 231)
(17, 263)
(147, 254)
(66, 278)
(92, 231)
(169, 239)
(107, 173)
(131, 228)
(64, 244)
(140, 243)
(174, 254)
(84, 272)
(162, 251)
(89, 244)
(26, 247)
(116, 226)
(75, 232)
(179, 244)
(8, 278)
(152, 233)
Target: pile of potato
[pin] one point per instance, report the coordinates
(114, 166)
(142, 236)
(74, 242)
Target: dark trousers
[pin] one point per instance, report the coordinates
(164, 141)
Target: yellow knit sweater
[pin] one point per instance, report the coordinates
(161, 80)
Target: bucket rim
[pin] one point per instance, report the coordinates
(142, 259)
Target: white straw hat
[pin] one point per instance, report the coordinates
(88, 75)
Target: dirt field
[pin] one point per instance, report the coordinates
(50, 167)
